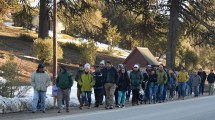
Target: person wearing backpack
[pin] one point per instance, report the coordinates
(211, 79)
(136, 78)
(64, 83)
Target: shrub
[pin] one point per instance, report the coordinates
(88, 52)
(26, 37)
(10, 70)
(43, 50)
(72, 46)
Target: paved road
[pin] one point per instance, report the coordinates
(193, 109)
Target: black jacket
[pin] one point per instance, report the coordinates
(153, 78)
(203, 76)
(99, 80)
(113, 75)
(211, 78)
(123, 82)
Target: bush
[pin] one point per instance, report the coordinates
(10, 69)
(72, 46)
(43, 50)
(26, 37)
(88, 52)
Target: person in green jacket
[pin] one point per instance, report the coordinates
(162, 79)
(136, 78)
(86, 82)
(64, 83)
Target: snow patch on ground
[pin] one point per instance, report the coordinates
(24, 103)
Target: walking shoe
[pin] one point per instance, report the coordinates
(89, 107)
(111, 107)
(43, 111)
(59, 111)
(67, 110)
(96, 106)
(118, 106)
(123, 106)
(81, 106)
(101, 103)
(107, 107)
(33, 112)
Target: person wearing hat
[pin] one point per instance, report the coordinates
(181, 80)
(77, 77)
(64, 83)
(86, 82)
(40, 81)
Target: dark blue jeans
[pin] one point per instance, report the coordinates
(160, 93)
(88, 95)
(201, 88)
(181, 89)
(153, 92)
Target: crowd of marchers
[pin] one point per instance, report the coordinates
(115, 85)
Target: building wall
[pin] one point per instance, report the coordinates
(135, 58)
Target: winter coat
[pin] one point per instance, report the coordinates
(182, 77)
(211, 78)
(195, 80)
(136, 78)
(172, 79)
(110, 75)
(64, 80)
(98, 80)
(189, 82)
(203, 76)
(162, 77)
(123, 82)
(40, 81)
(153, 80)
(86, 82)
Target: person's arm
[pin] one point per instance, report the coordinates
(80, 81)
(57, 81)
(48, 80)
(93, 82)
(33, 80)
(70, 80)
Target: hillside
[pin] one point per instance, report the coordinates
(10, 43)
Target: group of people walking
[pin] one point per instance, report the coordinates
(150, 85)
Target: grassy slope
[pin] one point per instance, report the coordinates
(9, 42)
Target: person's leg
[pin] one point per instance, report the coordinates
(203, 88)
(209, 88)
(89, 99)
(112, 90)
(35, 101)
(150, 93)
(119, 97)
(79, 96)
(59, 99)
(161, 92)
(54, 102)
(212, 88)
(164, 92)
(183, 89)
(128, 94)
(107, 94)
(43, 101)
(137, 96)
(200, 88)
(179, 89)
(116, 96)
(101, 96)
(123, 98)
(155, 89)
(96, 94)
(67, 98)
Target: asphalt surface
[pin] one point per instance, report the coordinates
(202, 108)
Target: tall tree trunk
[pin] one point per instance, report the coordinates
(173, 33)
(43, 19)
